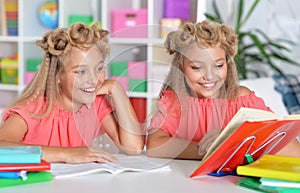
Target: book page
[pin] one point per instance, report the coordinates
(125, 163)
(135, 163)
(292, 117)
(244, 114)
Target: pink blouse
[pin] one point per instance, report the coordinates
(194, 117)
(64, 128)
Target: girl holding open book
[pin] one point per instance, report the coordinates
(69, 102)
(201, 92)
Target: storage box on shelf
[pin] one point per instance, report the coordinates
(129, 23)
(9, 71)
(32, 66)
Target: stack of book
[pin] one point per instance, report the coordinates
(9, 17)
(23, 165)
(271, 173)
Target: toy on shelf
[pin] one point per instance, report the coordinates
(48, 14)
(9, 70)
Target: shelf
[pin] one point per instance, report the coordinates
(9, 38)
(9, 87)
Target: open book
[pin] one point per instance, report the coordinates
(124, 164)
(251, 132)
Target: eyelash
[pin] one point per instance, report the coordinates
(200, 67)
(196, 67)
(219, 65)
(100, 69)
(81, 72)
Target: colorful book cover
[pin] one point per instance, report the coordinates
(273, 166)
(250, 131)
(32, 177)
(20, 154)
(43, 166)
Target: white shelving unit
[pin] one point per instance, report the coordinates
(149, 49)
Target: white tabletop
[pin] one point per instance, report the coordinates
(176, 180)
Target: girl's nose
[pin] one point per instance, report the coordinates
(208, 74)
(93, 78)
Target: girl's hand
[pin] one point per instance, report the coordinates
(107, 87)
(207, 140)
(84, 154)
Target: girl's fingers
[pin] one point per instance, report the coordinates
(109, 157)
(207, 141)
(102, 155)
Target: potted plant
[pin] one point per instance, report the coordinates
(254, 46)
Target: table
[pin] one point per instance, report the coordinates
(174, 181)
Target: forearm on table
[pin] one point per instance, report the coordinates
(50, 154)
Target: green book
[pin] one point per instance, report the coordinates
(254, 184)
(32, 177)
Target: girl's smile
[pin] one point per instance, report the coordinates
(205, 70)
(82, 77)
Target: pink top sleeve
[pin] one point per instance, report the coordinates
(64, 128)
(193, 118)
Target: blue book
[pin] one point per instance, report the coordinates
(14, 175)
(20, 154)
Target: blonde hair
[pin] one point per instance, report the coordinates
(57, 45)
(206, 35)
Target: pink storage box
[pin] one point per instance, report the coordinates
(129, 23)
(123, 80)
(29, 76)
(137, 70)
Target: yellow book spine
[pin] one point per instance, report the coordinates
(273, 166)
(273, 174)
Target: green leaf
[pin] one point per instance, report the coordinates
(260, 46)
(217, 12)
(285, 59)
(211, 17)
(253, 6)
(239, 15)
(277, 46)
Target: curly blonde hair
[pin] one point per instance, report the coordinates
(57, 45)
(206, 35)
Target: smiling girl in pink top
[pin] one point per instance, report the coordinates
(69, 102)
(201, 92)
